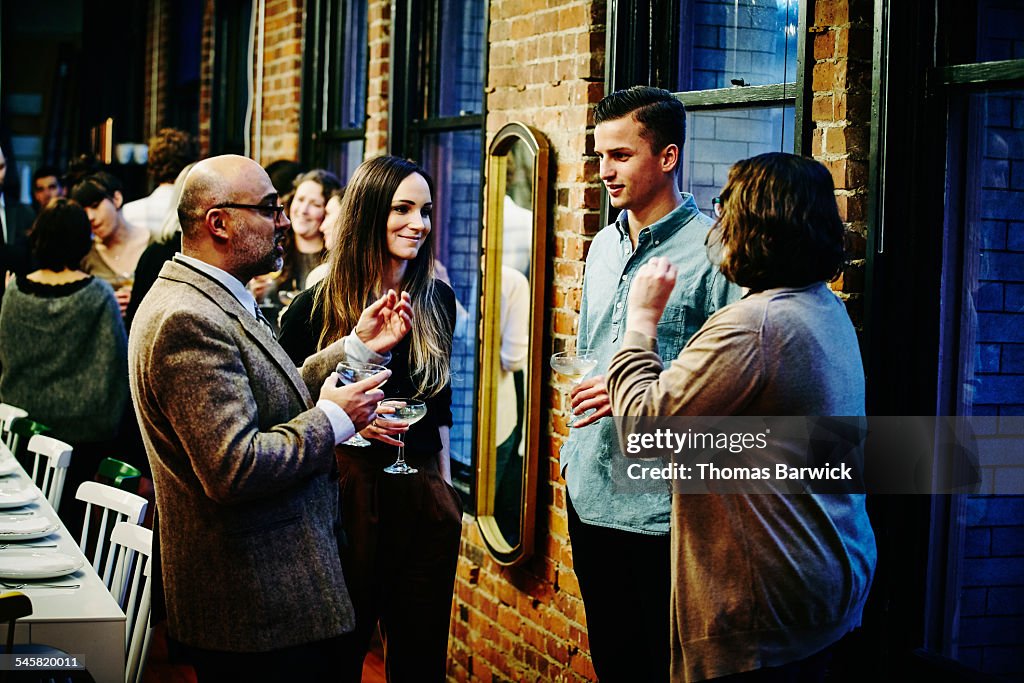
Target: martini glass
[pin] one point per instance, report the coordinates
(408, 410)
(353, 371)
(574, 366)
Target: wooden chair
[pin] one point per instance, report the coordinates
(119, 474)
(133, 570)
(22, 431)
(117, 506)
(7, 415)
(55, 457)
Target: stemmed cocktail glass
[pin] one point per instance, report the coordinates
(408, 410)
(353, 371)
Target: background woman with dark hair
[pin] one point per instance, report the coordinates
(763, 585)
(304, 247)
(118, 244)
(63, 348)
(403, 531)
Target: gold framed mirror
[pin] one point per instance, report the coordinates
(511, 333)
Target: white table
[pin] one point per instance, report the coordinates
(85, 621)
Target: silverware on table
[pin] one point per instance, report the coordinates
(19, 546)
(19, 586)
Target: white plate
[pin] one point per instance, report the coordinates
(25, 528)
(8, 466)
(16, 497)
(36, 564)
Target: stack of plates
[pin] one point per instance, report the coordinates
(11, 497)
(36, 564)
(25, 528)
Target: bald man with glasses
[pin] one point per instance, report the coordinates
(243, 461)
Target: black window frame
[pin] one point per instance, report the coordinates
(412, 93)
(326, 33)
(231, 49)
(923, 67)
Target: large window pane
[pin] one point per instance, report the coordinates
(460, 77)
(737, 42)
(343, 157)
(353, 47)
(989, 587)
(715, 140)
(453, 159)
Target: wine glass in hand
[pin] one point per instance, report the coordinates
(573, 365)
(409, 411)
(353, 371)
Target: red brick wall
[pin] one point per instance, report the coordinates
(379, 65)
(206, 78)
(282, 80)
(155, 91)
(841, 114)
(547, 70)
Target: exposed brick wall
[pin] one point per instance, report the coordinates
(841, 115)
(379, 64)
(546, 69)
(206, 78)
(157, 47)
(282, 80)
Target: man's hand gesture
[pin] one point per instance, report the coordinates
(384, 322)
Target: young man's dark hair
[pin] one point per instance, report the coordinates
(61, 236)
(46, 172)
(170, 150)
(663, 116)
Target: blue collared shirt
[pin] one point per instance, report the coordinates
(612, 263)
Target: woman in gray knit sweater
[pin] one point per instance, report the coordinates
(63, 347)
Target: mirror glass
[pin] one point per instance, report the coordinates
(511, 324)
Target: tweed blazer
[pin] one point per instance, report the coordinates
(243, 468)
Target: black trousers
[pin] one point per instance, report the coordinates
(626, 582)
(403, 534)
(309, 662)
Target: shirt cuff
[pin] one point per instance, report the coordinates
(355, 349)
(634, 338)
(340, 421)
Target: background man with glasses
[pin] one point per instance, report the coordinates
(243, 462)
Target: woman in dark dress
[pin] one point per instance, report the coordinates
(402, 531)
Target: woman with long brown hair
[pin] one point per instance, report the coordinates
(402, 531)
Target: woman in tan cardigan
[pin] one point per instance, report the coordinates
(763, 585)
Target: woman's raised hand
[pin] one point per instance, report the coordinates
(648, 294)
(383, 323)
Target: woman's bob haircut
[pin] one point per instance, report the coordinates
(780, 225)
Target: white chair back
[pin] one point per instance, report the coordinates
(117, 506)
(133, 569)
(7, 415)
(55, 457)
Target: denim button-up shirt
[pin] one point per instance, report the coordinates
(612, 263)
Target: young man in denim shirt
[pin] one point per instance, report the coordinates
(620, 542)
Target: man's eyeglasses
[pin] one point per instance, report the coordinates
(272, 211)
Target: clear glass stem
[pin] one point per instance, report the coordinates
(401, 451)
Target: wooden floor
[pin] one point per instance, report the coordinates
(159, 670)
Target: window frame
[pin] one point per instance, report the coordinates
(632, 23)
(918, 131)
(413, 81)
(326, 32)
